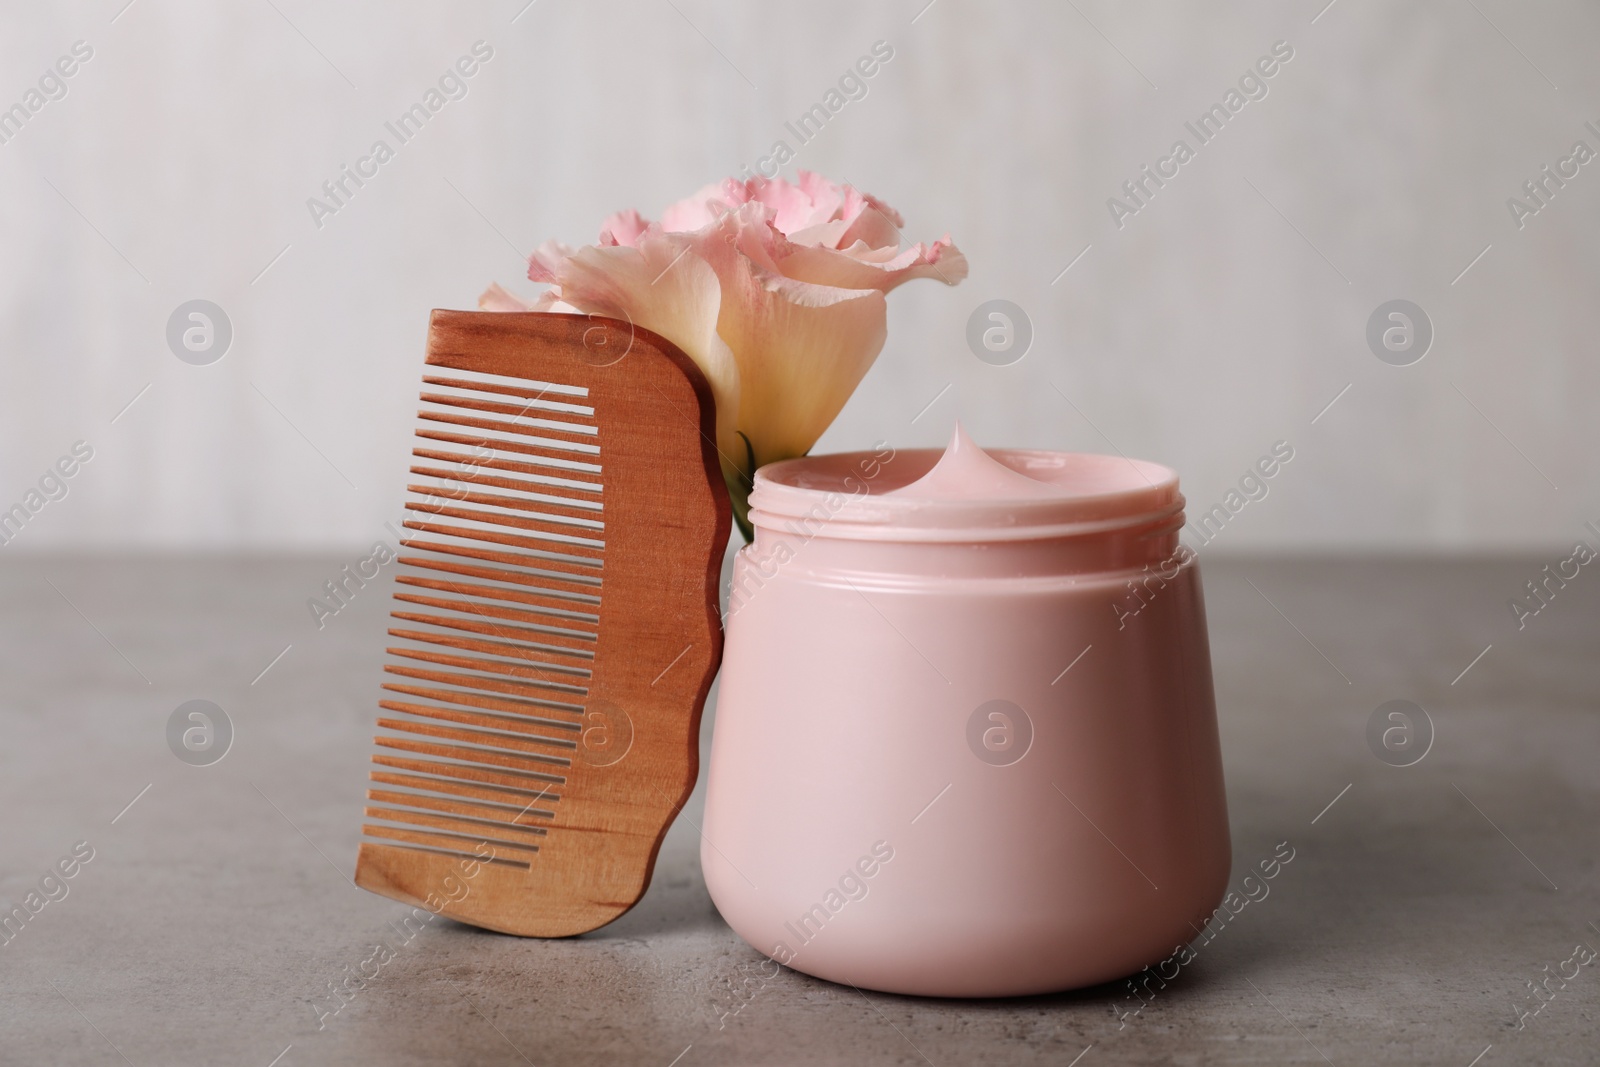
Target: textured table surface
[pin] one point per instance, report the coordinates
(217, 908)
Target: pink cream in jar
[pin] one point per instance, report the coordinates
(966, 743)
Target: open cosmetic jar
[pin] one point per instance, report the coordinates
(966, 742)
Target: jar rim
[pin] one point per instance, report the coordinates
(853, 496)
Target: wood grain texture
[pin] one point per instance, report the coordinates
(557, 597)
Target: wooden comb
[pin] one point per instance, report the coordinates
(558, 599)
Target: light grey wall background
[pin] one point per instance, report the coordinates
(1221, 318)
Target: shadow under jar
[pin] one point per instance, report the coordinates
(966, 742)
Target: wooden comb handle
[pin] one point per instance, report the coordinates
(558, 599)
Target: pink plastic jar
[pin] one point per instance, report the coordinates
(965, 742)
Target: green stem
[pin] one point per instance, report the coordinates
(741, 510)
(739, 488)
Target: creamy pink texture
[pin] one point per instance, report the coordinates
(965, 494)
(967, 472)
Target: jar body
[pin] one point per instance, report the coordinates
(960, 771)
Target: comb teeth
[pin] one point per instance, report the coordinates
(499, 612)
(554, 624)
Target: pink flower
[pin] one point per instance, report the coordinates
(775, 290)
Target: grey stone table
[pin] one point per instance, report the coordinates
(217, 908)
